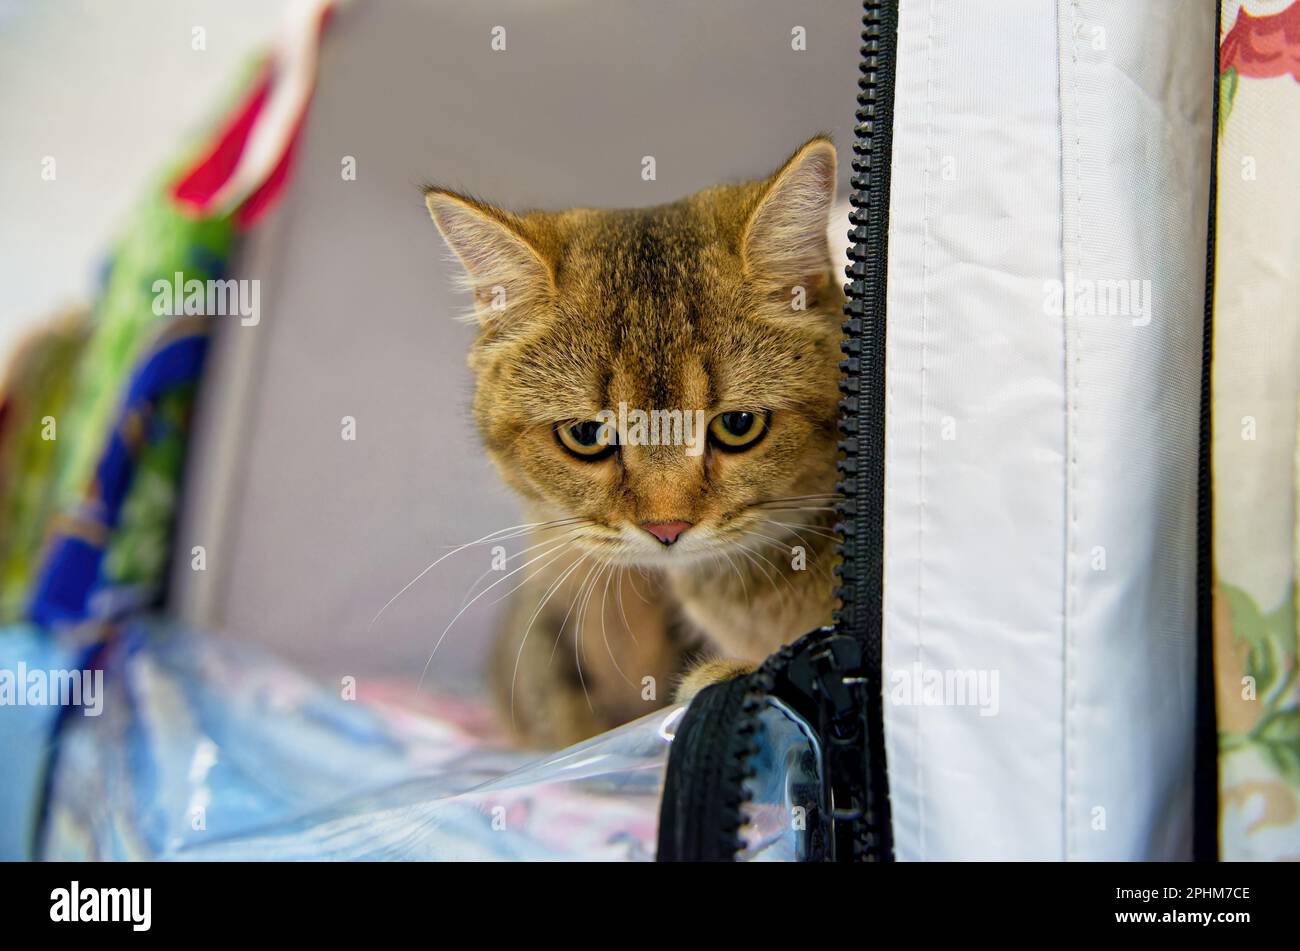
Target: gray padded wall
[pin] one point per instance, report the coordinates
(308, 535)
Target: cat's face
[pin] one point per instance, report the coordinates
(655, 374)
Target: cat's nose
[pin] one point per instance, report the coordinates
(666, 532)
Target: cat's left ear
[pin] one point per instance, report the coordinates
(503, 268)
(784, 244)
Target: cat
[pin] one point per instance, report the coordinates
(647, 554)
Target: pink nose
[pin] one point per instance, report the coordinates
(666, 532)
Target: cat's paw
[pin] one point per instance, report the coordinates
(709, 672)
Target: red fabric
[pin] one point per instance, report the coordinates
(195, 190)
(1263, 47)
(263, 199)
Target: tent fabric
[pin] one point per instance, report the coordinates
(308, 534)
(1041, 439)
(1047, 240)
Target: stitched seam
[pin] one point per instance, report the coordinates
(1072, 366)
(925, 353)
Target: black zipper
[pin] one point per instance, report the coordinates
(1205, 808)
(862, 411)
(706, 786)
(704, 789)
(832, 677)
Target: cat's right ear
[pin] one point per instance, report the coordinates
(784, 243)
(503, 270)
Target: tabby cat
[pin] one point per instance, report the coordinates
(649, 557)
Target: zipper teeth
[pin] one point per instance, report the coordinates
(862, 405)
(1205, 838)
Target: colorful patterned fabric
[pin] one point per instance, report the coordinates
(1256, 471)
(127, 513)
(95, 507)
(93, 428)
(122, 434)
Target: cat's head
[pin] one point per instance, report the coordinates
(716, 316)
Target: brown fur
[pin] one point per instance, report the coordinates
(682, 306)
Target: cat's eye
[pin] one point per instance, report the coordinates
(737, 430)
(587, 439)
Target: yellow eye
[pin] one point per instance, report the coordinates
(736, 431)
(588, 439)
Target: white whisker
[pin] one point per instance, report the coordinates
(510, 558)
(604, 633)
(499, 535)
(621, 609)
(441, 637)
(577, 639)
(550, 591)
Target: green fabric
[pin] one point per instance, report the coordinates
(40, 386)
(81, 383)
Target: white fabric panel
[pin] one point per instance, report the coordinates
(1036, 139)
(973, 527)
(1136, 85)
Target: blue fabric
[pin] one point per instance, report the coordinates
(209, 750)
(206, 750)
(68, 580)
(27, 736)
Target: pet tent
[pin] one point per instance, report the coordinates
(1021, 665)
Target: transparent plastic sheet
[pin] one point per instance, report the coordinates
(598, 800)
(207, 751)
(784, 789)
